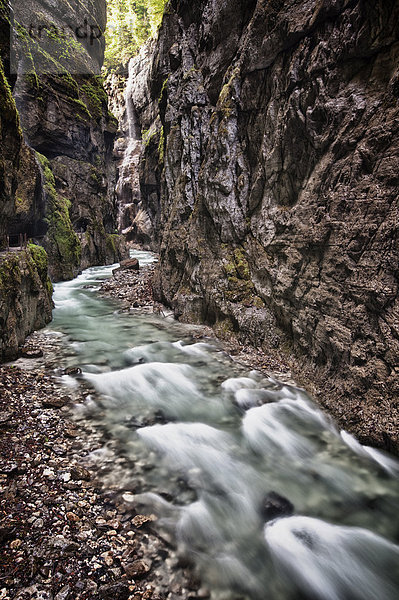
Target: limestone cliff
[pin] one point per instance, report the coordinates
(276, 163)
(69, 205)
(25, 297)
(131, 103)
(25, 290)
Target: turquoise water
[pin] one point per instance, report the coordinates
(218, 439)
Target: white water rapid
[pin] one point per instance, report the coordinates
(254, 482)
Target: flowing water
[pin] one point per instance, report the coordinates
(253, 481)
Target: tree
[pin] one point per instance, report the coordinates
(130, 23)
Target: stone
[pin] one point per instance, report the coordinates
(80, 473)
(64, 593)
(275, 506)
(130, 263)
(54, 402)
(140, 520)
(114, 591)
(72, 517)
(29, 352)
(137, 569)
(73, 371)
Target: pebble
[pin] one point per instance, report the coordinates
(61, 514)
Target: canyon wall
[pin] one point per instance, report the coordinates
(65, 198)
(25, 289)
(25, 297)
(272, 182)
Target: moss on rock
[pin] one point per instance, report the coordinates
(62, 243)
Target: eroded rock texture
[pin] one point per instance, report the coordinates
(70, 206)
(25, 290)
(25, 297)
(277, 166)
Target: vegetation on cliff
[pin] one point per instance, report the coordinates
(61, 241)
(129, 24)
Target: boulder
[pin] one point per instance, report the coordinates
(275, 506)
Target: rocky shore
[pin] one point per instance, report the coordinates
(67, 530)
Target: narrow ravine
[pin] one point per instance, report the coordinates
(245, 474)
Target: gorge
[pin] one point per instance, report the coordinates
(250, 149)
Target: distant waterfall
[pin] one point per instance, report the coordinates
(132, 221)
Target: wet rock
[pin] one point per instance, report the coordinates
(279, 228)
(29, 352)
(275, 506)
(73, 371)
(137, 569)
(130, 263)
(80, 473)
(114, 591)
(55, 402)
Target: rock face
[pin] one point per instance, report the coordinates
(131, 103)
(69, 206)
(25, 290)
(10, 136)
(276, 161)
(25, 297)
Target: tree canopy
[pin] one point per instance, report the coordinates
(130, 23)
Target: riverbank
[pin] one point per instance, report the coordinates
(64, 534)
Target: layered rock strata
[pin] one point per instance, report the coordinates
(276, 162)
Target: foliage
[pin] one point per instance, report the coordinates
(129, 24)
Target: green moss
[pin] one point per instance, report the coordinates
(241, 264)
(82, 107)
(49, 287)
(63, 245)
(32, 81)
(240, 286)
(39, 257)
(21, 205)
(147, 135)
(8, 109)
(161, 146)
(96, 177)
(112, 241)
(164, 88)
(67, 83)
(95, 96)
(224, 329)
(10, 275)
(225, 100)
(238, 265)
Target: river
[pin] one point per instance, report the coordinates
(252, 480)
